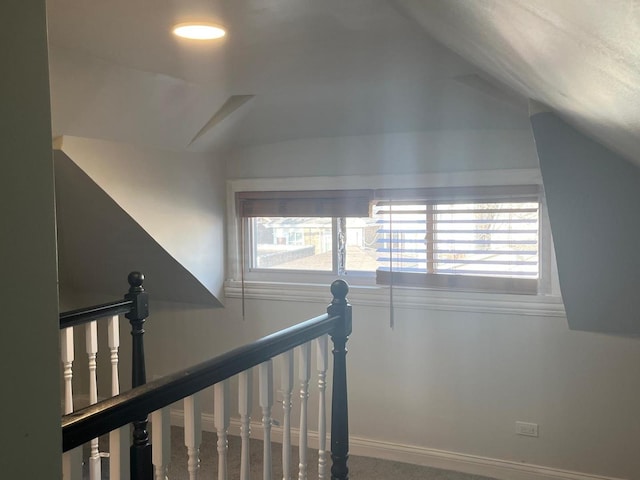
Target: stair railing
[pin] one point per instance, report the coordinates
(154, 398)
(134, 307)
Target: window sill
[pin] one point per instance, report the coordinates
(412, 298)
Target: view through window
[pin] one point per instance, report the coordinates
(479, 239)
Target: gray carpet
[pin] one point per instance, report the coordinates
(360, 468)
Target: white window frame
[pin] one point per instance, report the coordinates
(313, 286)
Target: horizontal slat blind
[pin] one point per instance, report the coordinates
(478, 239)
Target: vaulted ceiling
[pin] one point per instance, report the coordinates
(335, 68)
(580, 57)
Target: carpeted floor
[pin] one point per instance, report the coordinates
(360, 468)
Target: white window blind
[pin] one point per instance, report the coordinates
(490, 243)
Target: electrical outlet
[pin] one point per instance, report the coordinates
(527, 429)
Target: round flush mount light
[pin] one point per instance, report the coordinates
(199, 31)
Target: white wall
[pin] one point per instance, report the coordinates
(453, 381)
(450, 381)
(30, 432)
(413, 152)
(445, 380)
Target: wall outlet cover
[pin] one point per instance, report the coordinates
(527, 429)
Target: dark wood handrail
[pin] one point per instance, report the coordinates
(85, 315)
(88, 423)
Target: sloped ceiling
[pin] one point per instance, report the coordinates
(335, 68)
(580, 57)
(99, 243)
(316, 69)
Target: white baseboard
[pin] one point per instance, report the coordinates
(429, 457)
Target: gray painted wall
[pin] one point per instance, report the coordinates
(29, 366)
(176, 197)
(593, 197)
(99, 243)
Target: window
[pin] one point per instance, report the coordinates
(476, 245)
(478, 239)
(292, 243)
(313, 244)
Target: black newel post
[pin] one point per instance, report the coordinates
(339, 405)
(141, 466)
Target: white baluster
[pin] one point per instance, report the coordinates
(193, 433)
(114, 343)
(221, 417)
(91, 336)
(323, 364)
(118, 439)
(119, 454)
(245, 401)
(266, 403)
(161, 441)
(286, 388)
(304, 375)
(71, 460)
(67, 354)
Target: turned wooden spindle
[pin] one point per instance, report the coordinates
(286, 388)
(221, 420)
(245, 402)
(119, 438)
(91, 334)
(72, 460)
(266, 403)
(304, 375)
(113, 330)
(161, 441)
(141, 461)
(67, 353)
(339, 307)
(193, 433)
(323, 366)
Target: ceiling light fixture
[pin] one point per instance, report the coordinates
(199, 31)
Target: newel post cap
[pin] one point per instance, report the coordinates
(140, 298)
(339, 290)
(135, 280)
